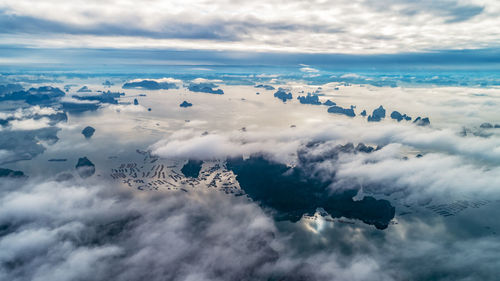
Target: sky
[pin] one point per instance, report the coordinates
(361, 27)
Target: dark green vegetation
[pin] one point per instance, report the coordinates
(291, 192)
(192, 168)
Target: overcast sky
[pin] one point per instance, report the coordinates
(341, 26)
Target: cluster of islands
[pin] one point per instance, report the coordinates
(377, 115)
(292, 192)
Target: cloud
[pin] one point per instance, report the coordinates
(99, 231)
(29, 124)
(433, 175)
(205, 86)
(204, 80)
(450, 162)
(22, 113)
(319, 27)
(27, 131)
(309, 70)
(153, 84)
(351, 75)
(192, 144)
(452, 11)
(160, 80)
(126, 108)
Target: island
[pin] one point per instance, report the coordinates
(399, 117)
(58, 160)
(339, 110)
(10, 88)
(185, 104)
(291, 193)
(422, 121)
(205, 88)
(85, 167)
(8, 173)
(104, 97)
(309, 99)
(267, 87)
(150, 84)
(377, 115)
(88, 132)
(107, 83)
(283, 95)
(329, 103)
(35, 96)
(84, 89)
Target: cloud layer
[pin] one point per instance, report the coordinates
(362, 26)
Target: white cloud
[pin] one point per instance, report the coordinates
(75, 230)
(29, 124)
(350, 75)
(294, 26)
(98, 230)
(451, 162)
(161, 80)
(126, 108)
(22, 113)
(203, 80)
(309, 69)
(71, 99)
(191, 144)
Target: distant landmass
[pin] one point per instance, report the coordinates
(107, 83)
(35, 96)
(267, 87)
(345, 111)
(84, 89)
(150, 85)
(205, 88)
(10, 88)
(104, 97)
